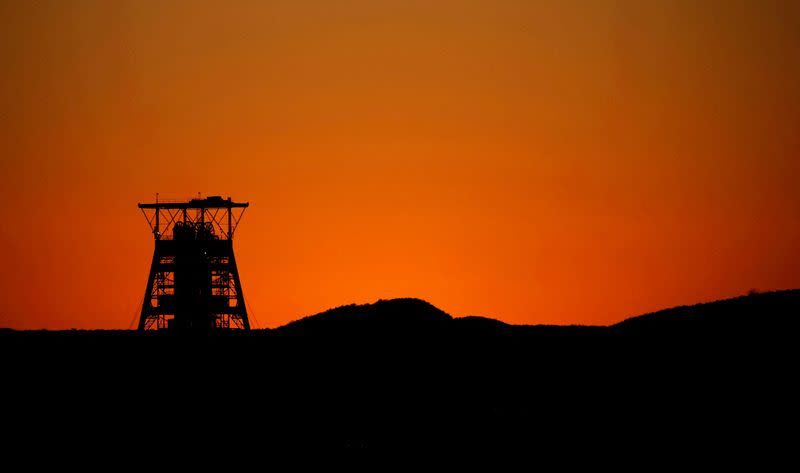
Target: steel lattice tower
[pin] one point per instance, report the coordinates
(194, 282)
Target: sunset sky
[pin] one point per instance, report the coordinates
(568, 162)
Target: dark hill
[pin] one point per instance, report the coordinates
(775, 313)
(745, 315)
(406, 316)
(477, 324)
(403, 375)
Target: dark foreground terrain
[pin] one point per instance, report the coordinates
(401, 375)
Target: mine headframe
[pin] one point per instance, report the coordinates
(193, 281)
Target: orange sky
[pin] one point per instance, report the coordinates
(537, 162)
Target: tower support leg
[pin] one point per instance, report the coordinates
(240, 307)
(148, 291)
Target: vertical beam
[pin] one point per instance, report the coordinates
(157, 229)
(230, 235)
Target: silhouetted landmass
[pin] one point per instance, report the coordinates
(480, 326)
(755, 313)
(402, 375)
(393, 317)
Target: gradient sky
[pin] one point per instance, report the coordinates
(570, 162)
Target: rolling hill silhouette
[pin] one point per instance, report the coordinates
(403, 375)
(406, 316)
(745, 315)
(771, 312)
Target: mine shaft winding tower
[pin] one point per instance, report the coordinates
(193, 282)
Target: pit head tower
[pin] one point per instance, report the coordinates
(194, 283)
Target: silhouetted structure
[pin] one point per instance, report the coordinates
(193, 281)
